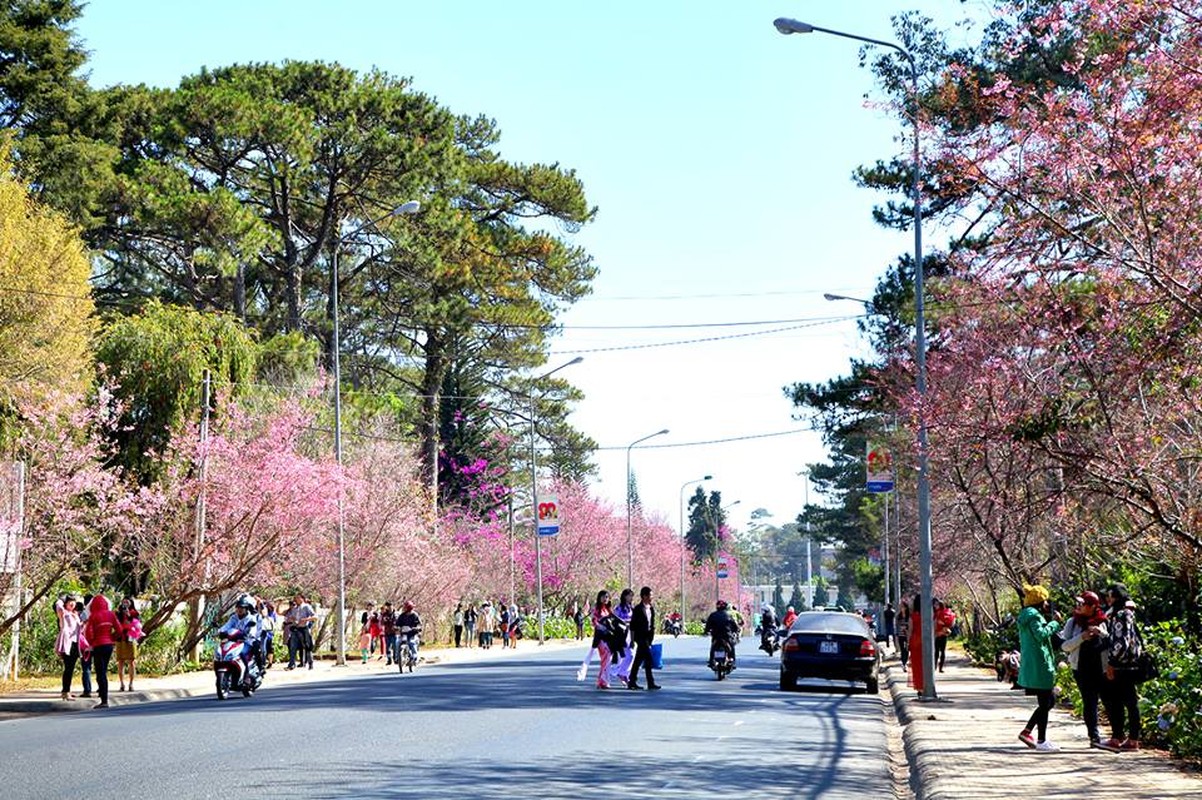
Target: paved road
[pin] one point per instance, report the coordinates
(516, 728)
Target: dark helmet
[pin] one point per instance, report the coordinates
(721, 604)
(245, 601)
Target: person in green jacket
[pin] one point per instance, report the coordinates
(1037, 672)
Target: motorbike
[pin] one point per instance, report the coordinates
(673, 626)
(770, 640)
(722, 661)
(231, 672)
(406, 649)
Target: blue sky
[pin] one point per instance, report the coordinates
(718, 152)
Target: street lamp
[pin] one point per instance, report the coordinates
(412, 207)
(629, 528)
(538, 540)
(683, 538)
(788, 26)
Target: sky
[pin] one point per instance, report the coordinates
(718, 153)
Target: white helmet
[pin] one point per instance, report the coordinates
(766, 606)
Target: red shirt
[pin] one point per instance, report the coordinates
(102, 626)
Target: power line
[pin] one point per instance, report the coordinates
(744, 438)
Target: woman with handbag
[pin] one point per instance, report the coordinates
(67, 643)
(1121, 661)
(602, 632)
(1085, 639)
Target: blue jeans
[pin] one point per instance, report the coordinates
(389, 645)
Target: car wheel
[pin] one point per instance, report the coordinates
(874, 685)
(787, 681)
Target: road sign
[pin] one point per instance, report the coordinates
(548, 515)
(723, 570)
(880, 468)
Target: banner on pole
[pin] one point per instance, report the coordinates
(880, 468)
(723, 568)
(548, 516)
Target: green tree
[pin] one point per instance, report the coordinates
(706, 520)
(797, 599)
(778, 599)
(48, 108)
(821, 595)
(156, 362)
(46, 322)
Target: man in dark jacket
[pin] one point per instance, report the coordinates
(721, 628)
(642, 632)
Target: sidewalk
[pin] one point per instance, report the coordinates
(191, 684)
(965, 745)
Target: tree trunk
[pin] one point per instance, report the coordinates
(431, 387)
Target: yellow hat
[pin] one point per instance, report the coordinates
(1034, 595)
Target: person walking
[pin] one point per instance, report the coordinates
(890, 616)
(1120, 695)
(267, 624)
(125, 649)
(903, 633)
(469, 623)
(1037, 672)
(578, 618)
(101, 631)
(602, 619)
(917, 676)
(376, 630)
(642, 633)
(300, 617)
(67, 643)
(1085, 638)
(945, 618)
(503, 622)
(85, 653)
(488, 623)
(388, 625)
(623, 653)
(457, 623)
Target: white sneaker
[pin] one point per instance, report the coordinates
(1047, 747)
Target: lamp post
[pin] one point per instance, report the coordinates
(629, 526)
(683, 538)
(538, 540)
(788, 26)
(412, 207)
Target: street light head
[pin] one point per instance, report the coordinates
(575, 360)
(708, 478)
(412, 207)
(786, 26)
(832, 297)
(661, 433)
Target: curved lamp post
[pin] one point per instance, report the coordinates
(538, 540)
(629, 527)
(788, 26)
(412, 207)
(683, 538)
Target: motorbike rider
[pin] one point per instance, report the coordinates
(243, 625)
(768, 631)
(408, 618)
(722, 629)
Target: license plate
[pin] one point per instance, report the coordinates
(828, 647)
(719, 656)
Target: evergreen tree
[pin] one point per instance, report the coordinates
(797, 600)
(778, 599)
(821, 596)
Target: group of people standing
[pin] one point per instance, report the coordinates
(91, 633)
(481, 624)
(1104, 649)
(622, 635)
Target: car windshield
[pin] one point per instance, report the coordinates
(829, 622)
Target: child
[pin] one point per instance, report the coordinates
(365, 642)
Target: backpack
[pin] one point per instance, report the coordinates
(1126, 645)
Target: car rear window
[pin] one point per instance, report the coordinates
(829, 622)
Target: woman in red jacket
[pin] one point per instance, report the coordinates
(102, 631)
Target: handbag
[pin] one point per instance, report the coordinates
(1146, 668)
